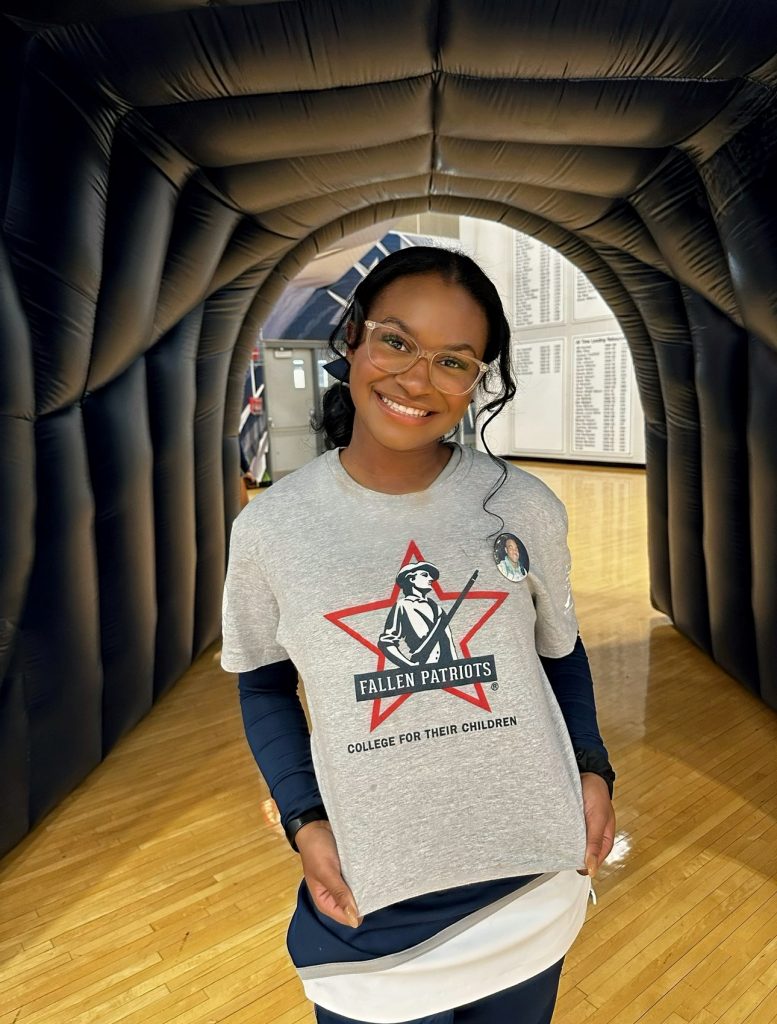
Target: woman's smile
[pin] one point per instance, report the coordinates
(406, 412)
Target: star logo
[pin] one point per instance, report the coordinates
(474, 693)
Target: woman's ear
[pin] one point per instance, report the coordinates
(350, 337)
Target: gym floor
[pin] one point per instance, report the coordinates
(160, 890)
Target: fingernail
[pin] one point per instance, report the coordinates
(592, 866)
(353, 920)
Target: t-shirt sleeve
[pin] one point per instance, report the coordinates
(249, 609)
(556, 629)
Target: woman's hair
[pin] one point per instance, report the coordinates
(497, 385)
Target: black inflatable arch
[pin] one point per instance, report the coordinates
(169, 166)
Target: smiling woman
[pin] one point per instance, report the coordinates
(435, 326)
(403, 409)
(404, 626)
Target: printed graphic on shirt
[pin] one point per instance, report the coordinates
(511, 557)
(423, 646)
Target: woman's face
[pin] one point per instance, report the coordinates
(438, 315)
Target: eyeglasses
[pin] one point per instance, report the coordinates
(394, 351)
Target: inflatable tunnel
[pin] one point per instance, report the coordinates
(168, 166)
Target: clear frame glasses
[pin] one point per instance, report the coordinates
(393, 351)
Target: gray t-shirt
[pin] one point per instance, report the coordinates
(441, 754)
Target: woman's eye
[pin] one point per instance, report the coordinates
(394, 341)
(455, 363)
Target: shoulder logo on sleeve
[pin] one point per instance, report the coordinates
(511, 557)
(423, 644)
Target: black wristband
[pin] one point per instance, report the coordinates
(293, 825)
(595, 762)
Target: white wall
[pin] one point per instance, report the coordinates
(577, 396)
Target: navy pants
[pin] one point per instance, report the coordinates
(531, 1002)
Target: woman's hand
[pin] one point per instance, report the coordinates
(321, 866)
(599, 822)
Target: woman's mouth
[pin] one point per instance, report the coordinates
(403, 410)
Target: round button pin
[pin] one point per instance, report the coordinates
(511, 557)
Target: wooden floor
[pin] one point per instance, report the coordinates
(160, 890)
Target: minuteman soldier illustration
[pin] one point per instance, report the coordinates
(417, 630)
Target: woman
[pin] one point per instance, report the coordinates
(450, 811)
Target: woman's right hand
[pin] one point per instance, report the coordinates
(321, 866)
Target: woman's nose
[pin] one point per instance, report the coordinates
(417, 379)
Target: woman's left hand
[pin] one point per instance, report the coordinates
(599, 822)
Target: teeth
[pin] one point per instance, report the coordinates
(418, 413)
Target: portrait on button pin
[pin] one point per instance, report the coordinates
(511, 557)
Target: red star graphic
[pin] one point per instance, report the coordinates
(479, 699)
